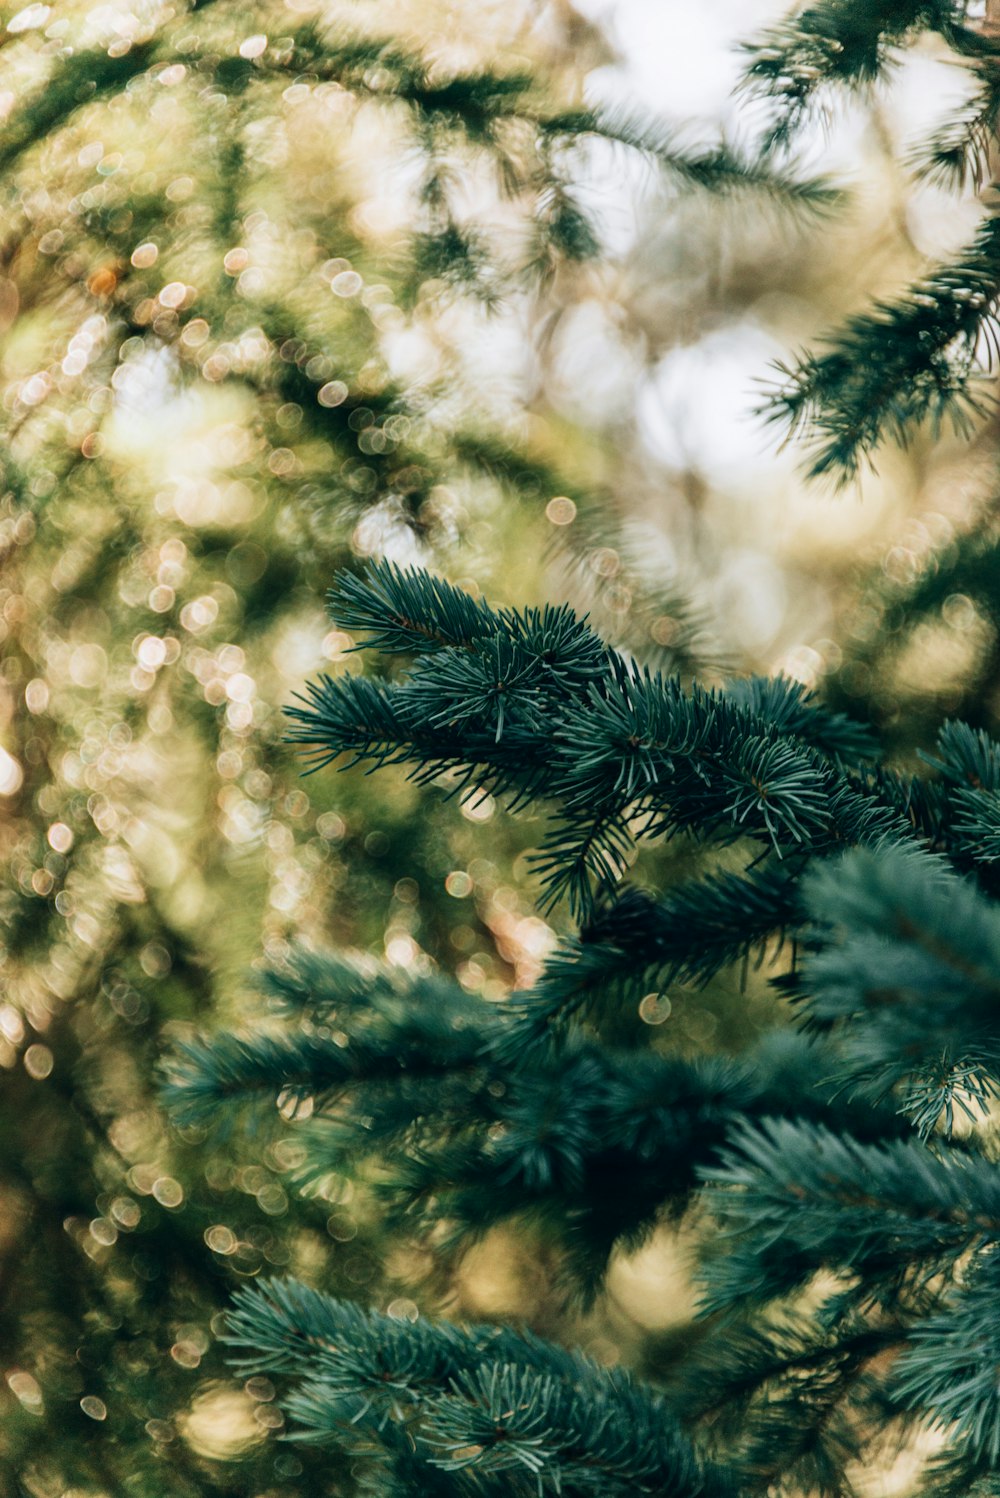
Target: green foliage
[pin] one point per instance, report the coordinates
(201, 423)
(849, 1187)
(531, 706)
(515, 1410)
(833, 44)
(906, 361)
(840, 1179)
(950, 597)
(920, 357)
(430, 1078)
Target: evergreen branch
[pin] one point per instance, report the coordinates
(565, 1124)
(597, 1148)
(794, 1198)
(948, 1368)
(774, 784)
(905, 898)
(956, 155)
(792, 707)
(915, 802)
(534, 707)
(944, 1088)
(915, 964)
(319, 985)
(906, 361)
(636, 943)
(615, 1442)
(601, 1142)
(721, 170)
(582, 862)
(317, 988)
(404, 610)
(969, 764)
(207, 1077)
(875, 809)
(833, 43)
(486, 1398)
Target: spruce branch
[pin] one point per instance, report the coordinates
(835, 44)
(487, 1399)
(722, 170)
(948, 1368)
(957, 154)
(405, 610)
(921, 357)
(535, 708)
(905, 974)
(794, 1198)
(968, 762)
(636, 943)
(207, 1078)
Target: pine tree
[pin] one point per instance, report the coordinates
(220, 221)
(840, 1175)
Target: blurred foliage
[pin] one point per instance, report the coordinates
(282, 287)
(213, 397)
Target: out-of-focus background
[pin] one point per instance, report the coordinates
(237, 357)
